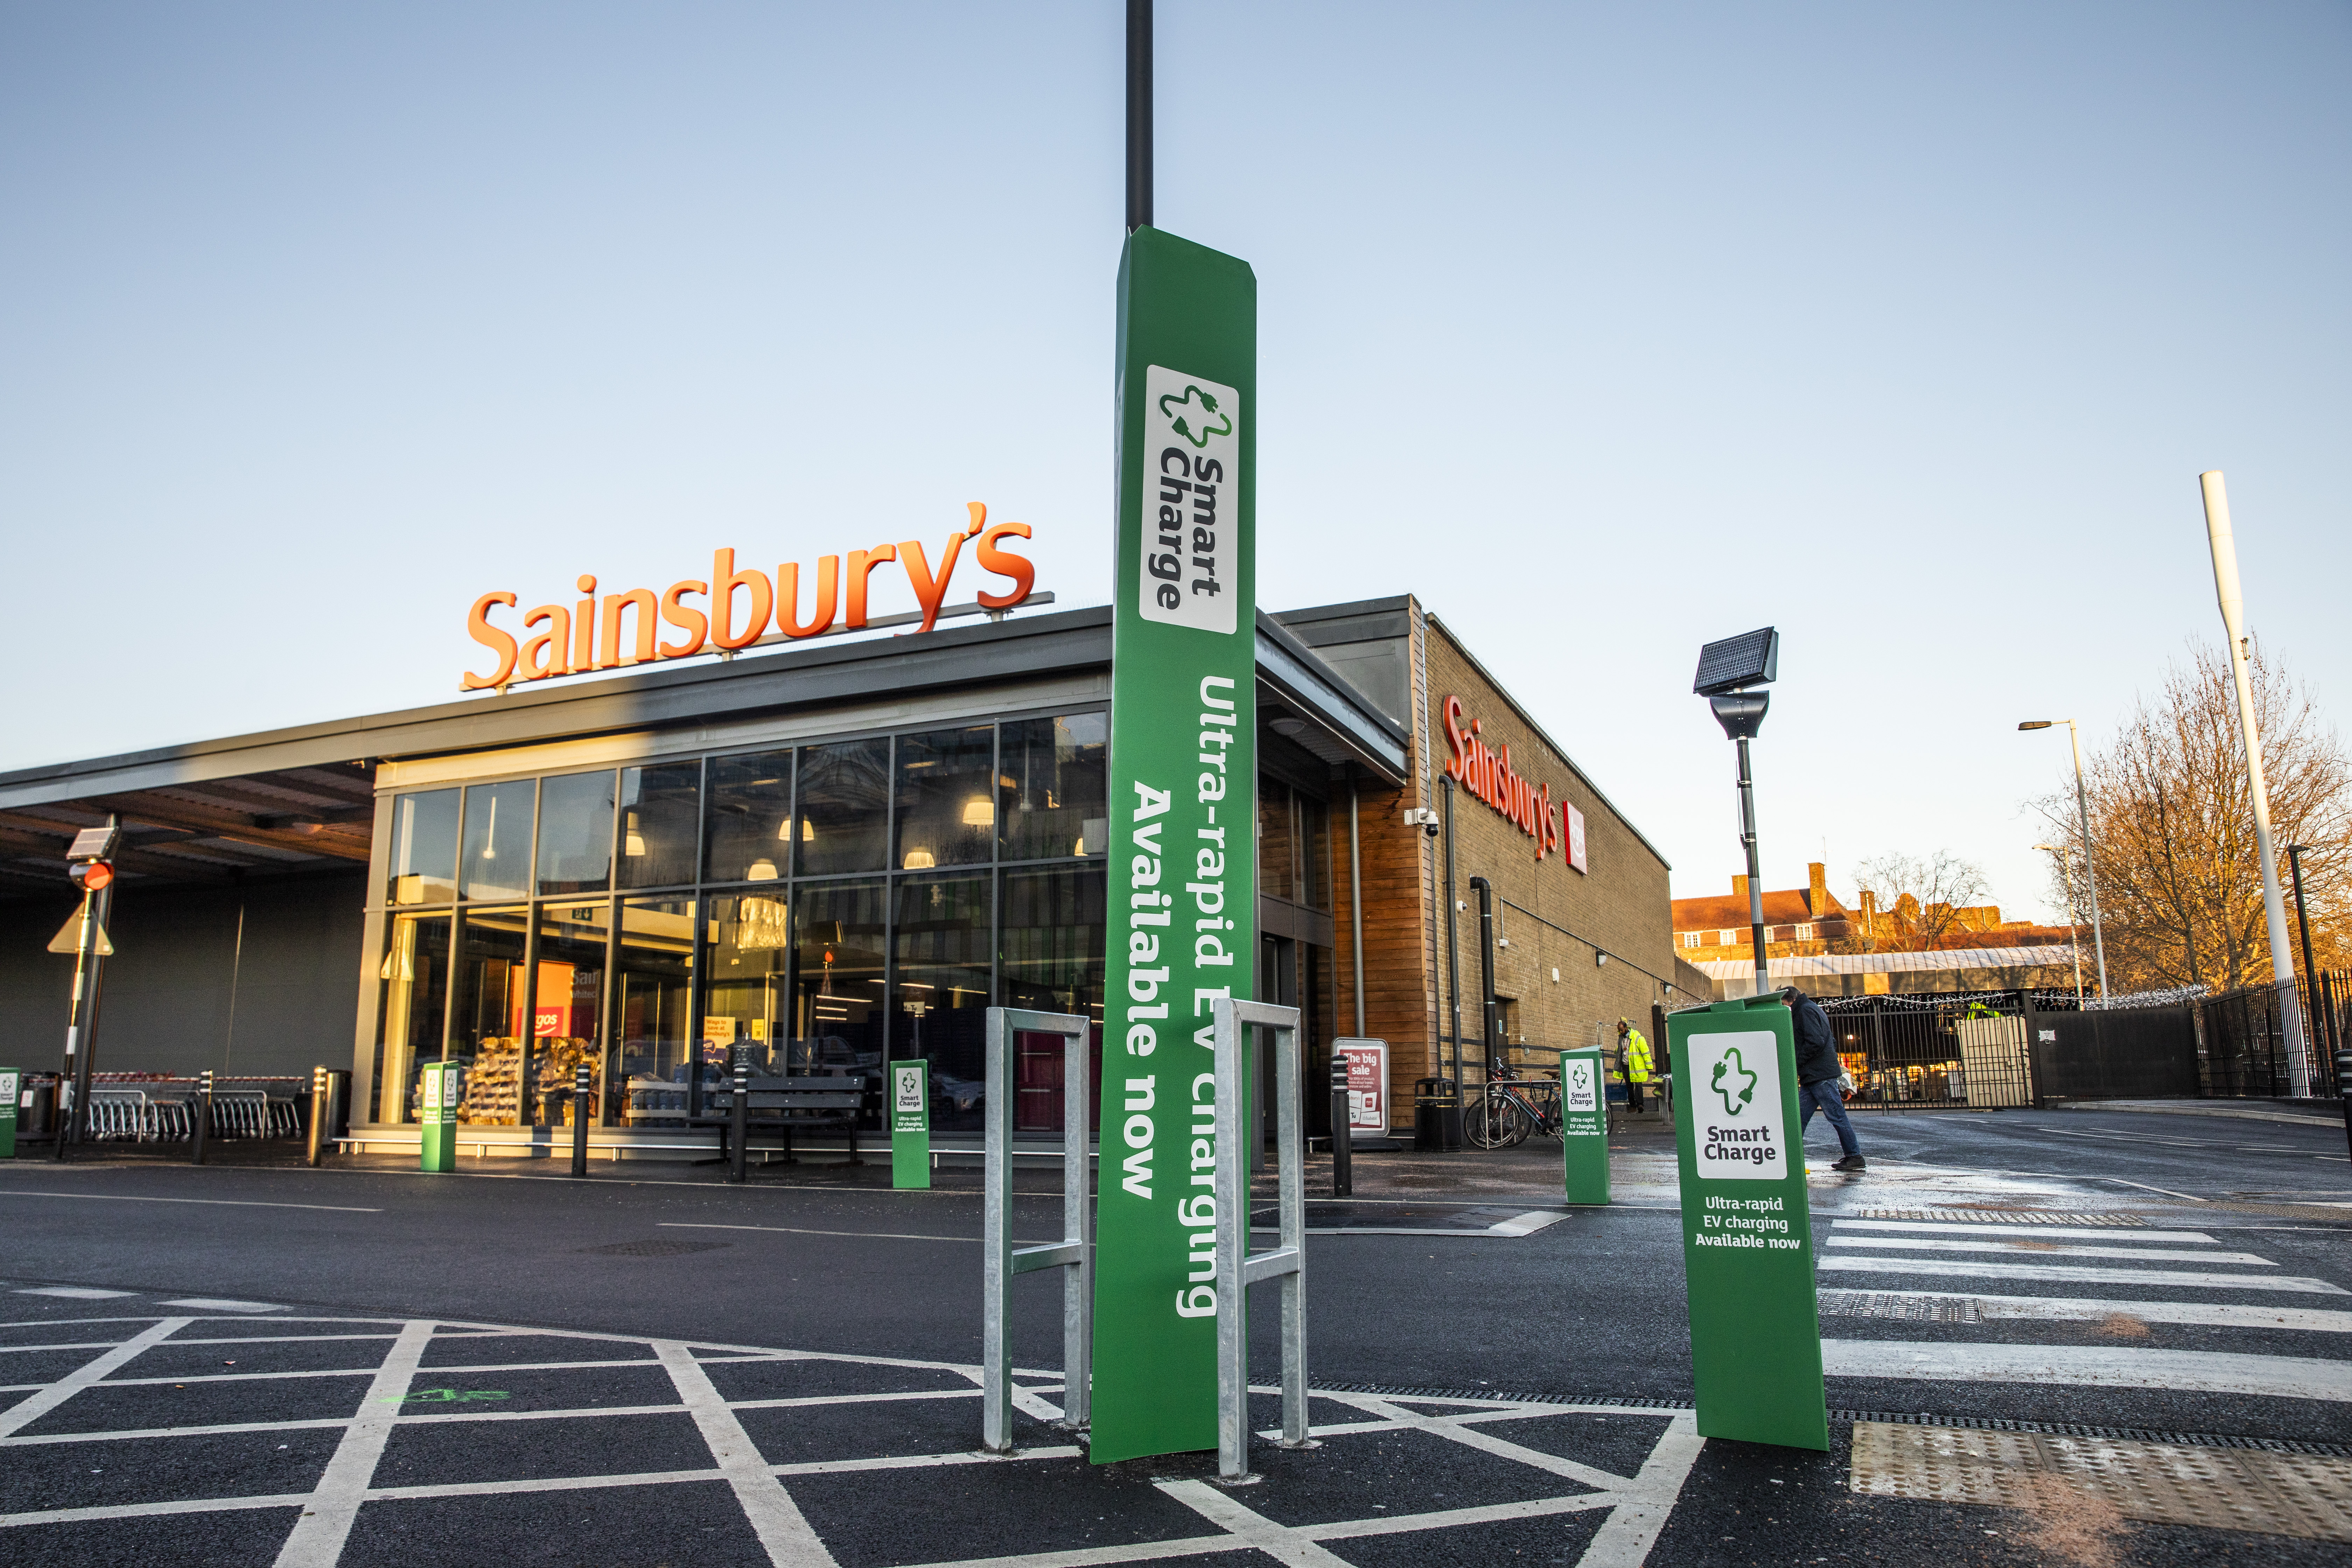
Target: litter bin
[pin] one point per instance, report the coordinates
(36, 1108)
(1436, 1114)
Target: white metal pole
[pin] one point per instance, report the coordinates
(2090, 866)
(2225, 583)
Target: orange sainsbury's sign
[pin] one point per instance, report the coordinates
(1487, 774)
(737, 606)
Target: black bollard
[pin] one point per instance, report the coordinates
(741, 1171)
(318, 1112)
(2343, 1090)
(202, 1111)
(583, 1093)
(1343, 1137)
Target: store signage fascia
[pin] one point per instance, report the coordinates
(1488, 775)
(739, 603)
(1181, 926)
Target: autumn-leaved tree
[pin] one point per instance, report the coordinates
(1911, 903)
(2172, 823)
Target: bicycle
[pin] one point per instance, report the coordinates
(1509, 1109)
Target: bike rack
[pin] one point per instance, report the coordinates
(1073, 1252)
(1237, 1269)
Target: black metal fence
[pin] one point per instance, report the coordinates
(2241, 1037)
(1939, 1052)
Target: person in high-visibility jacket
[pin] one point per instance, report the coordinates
(1632, 1062)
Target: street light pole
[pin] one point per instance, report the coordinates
(1726, 671)
(2224, 546)
(2090, 861)
(2294, 852)
(2074, 926)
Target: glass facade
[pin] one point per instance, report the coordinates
(828, 907)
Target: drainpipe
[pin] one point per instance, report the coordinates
(1453, 1113)
(1492, 1021)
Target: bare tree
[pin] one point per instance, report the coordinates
(2172, 823)
(1913, 904)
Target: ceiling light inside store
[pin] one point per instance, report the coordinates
(1288, 724)
(762, 870)
(920, 860)
(980, 810)
(632, 842)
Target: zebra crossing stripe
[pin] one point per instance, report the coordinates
(2068, 1232)
(2092, 1366)
(2072, 1274)
(2094, 1309)
(2054, 1249)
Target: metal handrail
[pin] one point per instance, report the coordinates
(1074, 1253)
(1238, 1268)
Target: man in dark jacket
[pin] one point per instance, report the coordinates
(1818, 1071)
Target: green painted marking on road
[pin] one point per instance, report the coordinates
(443, 1396)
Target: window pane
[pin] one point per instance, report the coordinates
(497, 861)
(415, 975)
(751, 836)
(575, 833)
(1054, 785)
(837, 935)
(424, 849)
(1276, 874)
(947, 808)
(745, 946)
(656, 1003)
(1314, 819)
(844, 807)
(1052, 960)
(661, 808)
(567, 1011)
(940, 1011)
(486, 1032)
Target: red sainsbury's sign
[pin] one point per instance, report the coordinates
(1488, 775)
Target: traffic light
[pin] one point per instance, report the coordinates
(90, 876)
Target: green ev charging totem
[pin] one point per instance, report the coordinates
(910, 1124)
(1747, 1242)
(1583, 1127)
(437, 1148)
(10, 1081)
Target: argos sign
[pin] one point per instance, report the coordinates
(1488, 775)
(738, 606)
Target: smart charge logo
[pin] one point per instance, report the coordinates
(1742, 1135)
(1192, 472)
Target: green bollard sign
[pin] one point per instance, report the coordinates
(437, 1149)
(11, 1087)
(910, 1124)
(1183, 830)
(1747, 1239)
(1584, 1127)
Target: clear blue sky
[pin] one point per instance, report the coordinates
(1606, 330)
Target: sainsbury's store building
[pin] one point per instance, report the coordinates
(833, 854)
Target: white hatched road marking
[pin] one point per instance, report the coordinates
(2091, 1366)
(317, 1537)
(2068, 1274)
(2092, 1309)
(24, 1412)
(776, 1518)
(2072, 1232)
(1637, 1509)
(2036, 1249)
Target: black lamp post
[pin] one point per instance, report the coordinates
(2294, 854)
(1726, 670)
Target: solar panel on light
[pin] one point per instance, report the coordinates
(1750, 658)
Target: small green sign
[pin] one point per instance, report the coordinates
(437, 1148)
(11, 1087)
(910, 1124)
(1747, 1239)
(1584, 1126)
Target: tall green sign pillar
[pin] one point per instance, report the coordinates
(1584, 1126)
(437, 1148)
(1182, 925)
(1747, 1239)
(910, 1124)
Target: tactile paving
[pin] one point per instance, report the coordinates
(2222, 1488)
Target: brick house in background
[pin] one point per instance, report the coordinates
(1797, 921)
